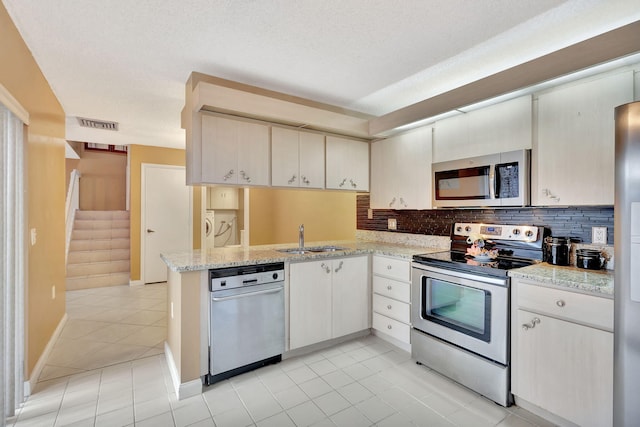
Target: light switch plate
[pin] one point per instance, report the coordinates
(599, 235)
(392, 224)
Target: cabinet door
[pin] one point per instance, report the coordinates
(574, 156)
(219, 150)
(284, 157)
(350, 295)
(502, 127)
(565, 368)
(309, 303)
(413, 169)
(311, 157)
(347, 164)
(384, 168)
(253, 154)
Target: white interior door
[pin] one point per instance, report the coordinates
(166, 218)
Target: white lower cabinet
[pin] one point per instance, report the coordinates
(391, 298)
(562, 357)
(328, 298)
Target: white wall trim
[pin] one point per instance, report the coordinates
(136, 283)
(183, 390)
(13, 105)
(37, 369)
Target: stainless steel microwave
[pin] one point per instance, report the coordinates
(501, 179)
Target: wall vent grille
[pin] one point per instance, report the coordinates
(97, 124)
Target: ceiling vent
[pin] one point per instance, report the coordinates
(97, 124)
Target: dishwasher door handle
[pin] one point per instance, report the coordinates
(248, 294)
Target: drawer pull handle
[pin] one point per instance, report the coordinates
(388, 267)
(389, 307)
(389, 287)
(560, 303)
(530, 325)
(388, 326)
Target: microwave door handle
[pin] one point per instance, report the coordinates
(492, 181)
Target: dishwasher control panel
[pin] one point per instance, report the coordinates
(250, 275)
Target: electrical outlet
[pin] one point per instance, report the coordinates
(369, 213)
(34, 236)
(392, 224)
(172, 309)
(599, 235)
(53, 292)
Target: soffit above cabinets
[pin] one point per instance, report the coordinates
(222, 96)
(597, 50)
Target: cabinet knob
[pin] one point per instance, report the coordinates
(305, 180)
(339, 266)
(389, 287)
(560, 303)
(389, 267)
(342, 183)
(353, 184)
(292, 179)
(402, 202)
(389, 307)
(388, 326)
(244, 176)
(392, 202)
(325, 268)
(228, 175)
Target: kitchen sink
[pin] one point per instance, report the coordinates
(313, 249)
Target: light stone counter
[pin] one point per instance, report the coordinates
(595, 282)
(230, 257)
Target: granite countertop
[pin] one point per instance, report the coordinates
(196, 260)
(595, 282)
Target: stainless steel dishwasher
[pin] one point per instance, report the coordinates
(246, 319)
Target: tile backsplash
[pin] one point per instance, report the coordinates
(574, 222)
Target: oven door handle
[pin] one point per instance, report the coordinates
(246, 294)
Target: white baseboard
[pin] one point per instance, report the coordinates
(136, 283)
(37, 370)
(183, 390)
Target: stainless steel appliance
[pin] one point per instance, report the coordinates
(626, 369)
(246, 322)
(501, 179)
(460, 304)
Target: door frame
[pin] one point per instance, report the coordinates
(144, 167)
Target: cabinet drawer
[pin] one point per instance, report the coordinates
(586, 309)
(397, 330)
(395, 268)
(392, 288)
(392, 308)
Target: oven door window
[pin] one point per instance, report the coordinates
(461, 308)
(463, 184)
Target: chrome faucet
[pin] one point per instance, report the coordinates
(301, 236)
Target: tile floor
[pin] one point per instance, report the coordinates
(364, 382)
(109, 325)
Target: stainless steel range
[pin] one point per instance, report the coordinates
(460, 308)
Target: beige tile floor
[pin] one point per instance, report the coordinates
(109, 325)
(364, 382)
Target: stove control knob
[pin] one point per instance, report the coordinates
(467, 229)
(528, 233)
(516, 231)
(458, 229)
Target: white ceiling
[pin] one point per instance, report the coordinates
(128, 61)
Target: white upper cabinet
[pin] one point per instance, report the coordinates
(234, 152)
(347, 166)
(573, 159)
(401, 171)
(502, 127)
(297, 158)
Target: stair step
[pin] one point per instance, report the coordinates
(102, 215)
(100, 224)
(99, 244)
(97, 281)
(99, 234)
(96, 268)
(98, 255)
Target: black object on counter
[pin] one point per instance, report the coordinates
(591, 259)
(557, 250)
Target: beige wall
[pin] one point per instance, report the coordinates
(103, 182)
(275, 215)
(139, 154)
(45, 177)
